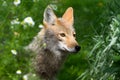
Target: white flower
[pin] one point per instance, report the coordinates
(25, 77)
(40, 26)
(28, 76)
(14, 52)
(29, 21)
(15, 21)
(16, 2)
(18, 72)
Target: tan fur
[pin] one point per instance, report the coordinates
(49, 53)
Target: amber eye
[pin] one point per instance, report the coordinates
(62, 34)
(74, 35)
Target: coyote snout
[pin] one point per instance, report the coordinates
(53, 42)
(69, 45)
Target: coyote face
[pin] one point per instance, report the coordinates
(59, 32)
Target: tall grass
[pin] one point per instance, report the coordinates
(104, 57)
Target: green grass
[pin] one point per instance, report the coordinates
(94, 34)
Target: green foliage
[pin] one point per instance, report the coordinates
(104, 58)
(97, 27)
(15, 63)
(101, 56)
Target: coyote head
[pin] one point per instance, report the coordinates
(59, 32)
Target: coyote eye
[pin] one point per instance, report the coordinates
(53, 24)
(62, 34)
(74, 35)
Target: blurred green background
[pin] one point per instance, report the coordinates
(97, 24)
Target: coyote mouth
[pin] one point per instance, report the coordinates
(67, 50)
(63, 49)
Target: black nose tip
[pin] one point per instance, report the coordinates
(77, 48)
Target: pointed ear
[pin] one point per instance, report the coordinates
(49, 16)
(68, 15)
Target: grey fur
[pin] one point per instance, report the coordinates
(48, 56)
(49, 16)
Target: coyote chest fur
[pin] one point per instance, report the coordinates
(53, 43)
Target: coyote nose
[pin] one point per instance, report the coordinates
(77, 48)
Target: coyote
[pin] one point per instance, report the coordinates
(53, 43)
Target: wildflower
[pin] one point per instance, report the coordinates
(28, 76)
(40, 26)
(18, 72)
(29, 21)
(16, 34)
(15, 21)
(16, 2)
(14, 52)
(25, 77)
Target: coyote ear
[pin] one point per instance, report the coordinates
(49, 16)
(68, 15)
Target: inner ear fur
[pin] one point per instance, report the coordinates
(49, 16)
(68, 15)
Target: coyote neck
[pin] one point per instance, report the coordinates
(47, 63)
(48, 59)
